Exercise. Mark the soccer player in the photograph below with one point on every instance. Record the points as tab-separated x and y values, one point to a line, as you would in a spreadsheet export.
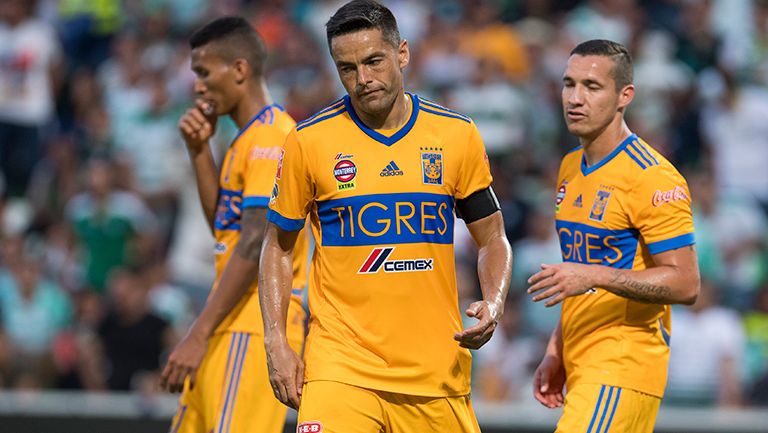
222	372
380	172
623	215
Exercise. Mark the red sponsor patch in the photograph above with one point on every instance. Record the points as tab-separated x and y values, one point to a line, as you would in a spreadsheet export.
662	197
280	164
310	427
560	194
345	170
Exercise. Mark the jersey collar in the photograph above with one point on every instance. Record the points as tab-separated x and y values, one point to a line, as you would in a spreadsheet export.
264	115
587	170
381	138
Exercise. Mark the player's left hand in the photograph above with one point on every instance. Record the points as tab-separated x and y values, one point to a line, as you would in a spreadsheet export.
286	372
184	362
559	281
488	313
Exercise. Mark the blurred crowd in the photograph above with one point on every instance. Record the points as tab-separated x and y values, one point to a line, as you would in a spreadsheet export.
104	253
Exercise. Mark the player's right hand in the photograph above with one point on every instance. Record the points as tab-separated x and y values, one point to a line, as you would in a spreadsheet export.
184	361
286	373
197	127
548	382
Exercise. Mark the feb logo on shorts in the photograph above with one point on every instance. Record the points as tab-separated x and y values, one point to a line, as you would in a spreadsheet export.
432	167
310	427
598	206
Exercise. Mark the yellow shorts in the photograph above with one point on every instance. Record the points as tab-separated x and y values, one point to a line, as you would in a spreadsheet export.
334	407
594	408
232	393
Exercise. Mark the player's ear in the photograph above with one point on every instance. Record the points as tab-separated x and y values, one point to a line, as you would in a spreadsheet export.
626	95
403	54
242	70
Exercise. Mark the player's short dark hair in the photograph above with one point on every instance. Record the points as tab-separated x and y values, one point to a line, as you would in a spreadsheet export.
622	60
235	38
362	15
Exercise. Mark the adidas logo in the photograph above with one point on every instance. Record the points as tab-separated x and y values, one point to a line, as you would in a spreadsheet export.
577	202
391	170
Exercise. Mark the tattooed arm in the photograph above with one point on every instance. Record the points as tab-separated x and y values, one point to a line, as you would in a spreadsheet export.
239	274
673	280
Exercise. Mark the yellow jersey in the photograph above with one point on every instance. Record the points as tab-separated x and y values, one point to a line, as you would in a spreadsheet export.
618	213
382	298
246	181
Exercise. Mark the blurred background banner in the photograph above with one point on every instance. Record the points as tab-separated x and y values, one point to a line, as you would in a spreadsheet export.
105	256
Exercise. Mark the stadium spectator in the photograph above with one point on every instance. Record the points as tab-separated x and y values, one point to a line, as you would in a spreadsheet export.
133	338
77	352
486	37
757	63
714	379
54	180
734	126
496	105
540	245
698	43
33	310
112	227
756	356
603	19
661	81
732	227
168	300
498	377
29	66
87	29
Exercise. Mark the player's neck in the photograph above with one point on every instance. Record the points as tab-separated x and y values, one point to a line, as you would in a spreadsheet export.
597	148
255	98
392	119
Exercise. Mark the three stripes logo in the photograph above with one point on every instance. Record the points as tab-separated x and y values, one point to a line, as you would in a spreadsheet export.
578	202
391	170
378	260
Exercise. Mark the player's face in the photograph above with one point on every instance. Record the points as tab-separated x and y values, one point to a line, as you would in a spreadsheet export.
370	68
215	79
591	101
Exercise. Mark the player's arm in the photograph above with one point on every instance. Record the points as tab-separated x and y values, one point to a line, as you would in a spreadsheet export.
549	378
494	262
196	129
237	277
673	280
286	370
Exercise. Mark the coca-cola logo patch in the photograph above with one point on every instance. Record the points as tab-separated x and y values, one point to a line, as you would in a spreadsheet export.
663	197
